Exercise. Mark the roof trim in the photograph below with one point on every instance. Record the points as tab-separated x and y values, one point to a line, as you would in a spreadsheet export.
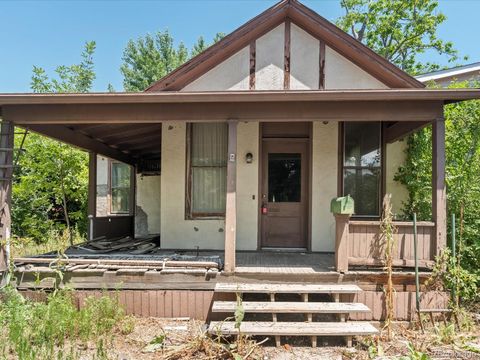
307	19
441	74
241	96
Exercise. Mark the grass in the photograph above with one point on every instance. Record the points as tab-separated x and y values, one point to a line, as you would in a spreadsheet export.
55	328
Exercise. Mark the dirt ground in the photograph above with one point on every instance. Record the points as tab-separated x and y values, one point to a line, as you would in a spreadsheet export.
154	338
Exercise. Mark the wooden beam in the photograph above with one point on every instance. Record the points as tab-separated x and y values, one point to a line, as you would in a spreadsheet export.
231	206
286	57
321	67
341	242
402	129
439	193
253	64
92	192
6	172
301	110
74	138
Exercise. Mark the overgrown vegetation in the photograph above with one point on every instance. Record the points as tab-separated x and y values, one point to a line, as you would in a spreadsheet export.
462	122
55	328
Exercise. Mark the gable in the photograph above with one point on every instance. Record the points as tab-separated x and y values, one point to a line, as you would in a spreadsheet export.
287	47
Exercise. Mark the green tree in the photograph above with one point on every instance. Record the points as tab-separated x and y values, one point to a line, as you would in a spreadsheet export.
51	182
151	57
462	142
399	30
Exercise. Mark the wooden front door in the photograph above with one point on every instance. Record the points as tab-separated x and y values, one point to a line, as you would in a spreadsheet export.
284	196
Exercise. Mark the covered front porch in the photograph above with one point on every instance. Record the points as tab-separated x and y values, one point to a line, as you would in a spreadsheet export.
148	131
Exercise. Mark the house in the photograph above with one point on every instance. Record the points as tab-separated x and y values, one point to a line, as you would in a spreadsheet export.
443	78
238	154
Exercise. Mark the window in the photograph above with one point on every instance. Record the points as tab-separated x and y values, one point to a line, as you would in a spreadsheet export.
284	177
120	188
362	166
207	170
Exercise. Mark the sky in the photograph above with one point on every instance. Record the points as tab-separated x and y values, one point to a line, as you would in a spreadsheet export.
52	33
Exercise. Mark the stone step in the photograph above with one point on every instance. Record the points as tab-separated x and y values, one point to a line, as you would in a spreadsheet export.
265	307
287	288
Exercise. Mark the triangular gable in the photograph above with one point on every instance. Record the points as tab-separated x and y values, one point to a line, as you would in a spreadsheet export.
287	13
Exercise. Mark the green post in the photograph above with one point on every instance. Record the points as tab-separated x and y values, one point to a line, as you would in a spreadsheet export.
454	257
417	282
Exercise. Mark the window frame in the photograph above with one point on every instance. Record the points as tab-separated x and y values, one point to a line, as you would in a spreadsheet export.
110	188
342	167
189	214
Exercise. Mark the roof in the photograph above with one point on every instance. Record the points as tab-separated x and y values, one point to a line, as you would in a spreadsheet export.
306	19
445	95
452	72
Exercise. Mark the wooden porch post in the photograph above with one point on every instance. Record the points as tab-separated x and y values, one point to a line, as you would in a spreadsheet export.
6	171
231	207
92	192
439	194
341	242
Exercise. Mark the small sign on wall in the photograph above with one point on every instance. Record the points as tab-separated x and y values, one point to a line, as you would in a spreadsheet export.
231	157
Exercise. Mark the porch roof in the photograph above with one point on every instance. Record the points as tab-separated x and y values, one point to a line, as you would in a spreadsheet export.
125	126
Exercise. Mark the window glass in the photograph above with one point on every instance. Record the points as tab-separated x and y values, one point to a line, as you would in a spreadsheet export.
362	166
120	188
208	161
284	177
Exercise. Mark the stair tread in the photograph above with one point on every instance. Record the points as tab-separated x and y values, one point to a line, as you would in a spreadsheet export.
291	307
294	328
288	288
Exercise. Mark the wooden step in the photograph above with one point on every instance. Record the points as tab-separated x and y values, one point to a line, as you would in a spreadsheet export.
265	307
353	328
287	288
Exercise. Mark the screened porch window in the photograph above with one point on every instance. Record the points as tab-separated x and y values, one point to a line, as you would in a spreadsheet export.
362	166
206	193
120	188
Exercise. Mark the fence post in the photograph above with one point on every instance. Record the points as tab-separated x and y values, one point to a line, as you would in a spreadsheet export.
341	242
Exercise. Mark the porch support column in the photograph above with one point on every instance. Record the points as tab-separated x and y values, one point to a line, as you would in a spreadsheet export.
6	171
92	192
439	194
341	242
231	206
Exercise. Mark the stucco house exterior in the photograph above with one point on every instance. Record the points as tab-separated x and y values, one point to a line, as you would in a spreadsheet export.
240	151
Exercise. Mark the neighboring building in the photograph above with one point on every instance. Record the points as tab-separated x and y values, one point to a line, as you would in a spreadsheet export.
239	152
444	78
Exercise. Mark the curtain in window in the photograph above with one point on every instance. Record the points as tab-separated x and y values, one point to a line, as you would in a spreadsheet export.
209	168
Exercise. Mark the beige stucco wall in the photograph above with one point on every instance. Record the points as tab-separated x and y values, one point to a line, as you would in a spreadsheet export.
269	60
341	73
232	74
178	232
324	184
147	212
395	157
304	60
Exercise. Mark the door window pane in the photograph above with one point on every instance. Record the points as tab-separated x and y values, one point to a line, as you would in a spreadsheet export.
284	177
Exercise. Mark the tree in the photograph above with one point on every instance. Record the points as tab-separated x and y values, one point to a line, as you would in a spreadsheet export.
51	182
399	30
151	57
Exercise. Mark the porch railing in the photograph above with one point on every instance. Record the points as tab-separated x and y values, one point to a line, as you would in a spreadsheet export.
360	243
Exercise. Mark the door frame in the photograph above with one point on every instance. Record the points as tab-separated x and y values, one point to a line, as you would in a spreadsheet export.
309	141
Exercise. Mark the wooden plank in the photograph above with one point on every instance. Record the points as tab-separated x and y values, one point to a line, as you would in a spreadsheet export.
321	67
439	194
286	57
341	242
295	328
7	130
231	202
287	288
396	262
253	61
401	129
291	307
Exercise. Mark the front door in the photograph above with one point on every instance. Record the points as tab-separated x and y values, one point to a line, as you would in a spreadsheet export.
284	196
